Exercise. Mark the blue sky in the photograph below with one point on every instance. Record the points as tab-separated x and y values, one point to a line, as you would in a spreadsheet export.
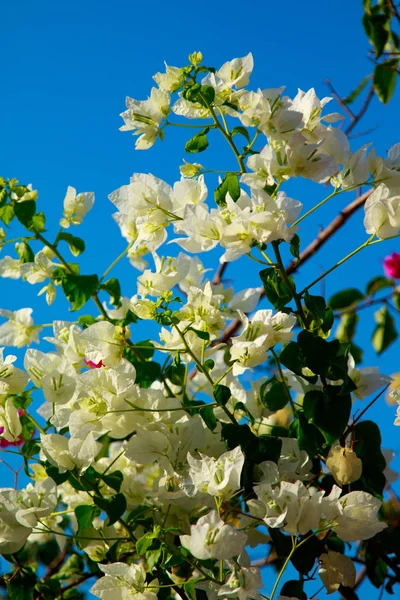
67	67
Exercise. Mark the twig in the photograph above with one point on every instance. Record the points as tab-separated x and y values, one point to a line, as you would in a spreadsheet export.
339	100
362	111
219	273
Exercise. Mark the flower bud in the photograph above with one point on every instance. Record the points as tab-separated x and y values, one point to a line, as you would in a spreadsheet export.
344	465
190	169
195	58
391	265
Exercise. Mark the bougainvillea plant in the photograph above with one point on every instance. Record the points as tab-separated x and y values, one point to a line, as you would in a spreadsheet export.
157	465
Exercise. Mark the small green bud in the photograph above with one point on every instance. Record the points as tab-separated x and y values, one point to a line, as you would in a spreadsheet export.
195	58
191	169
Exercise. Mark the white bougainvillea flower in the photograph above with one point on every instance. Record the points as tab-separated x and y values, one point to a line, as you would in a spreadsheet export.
368	380
237	72
210	537
19	329
105	342
382	211
336	570
13	534
169	81
218	477
68	454
10	268
10	422
12	379
144	117
352	516
76	207
124	582
243	583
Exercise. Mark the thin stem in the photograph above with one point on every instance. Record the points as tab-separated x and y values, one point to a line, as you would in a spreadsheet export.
187	126
285	277
285	564
106	272
346	258
283	380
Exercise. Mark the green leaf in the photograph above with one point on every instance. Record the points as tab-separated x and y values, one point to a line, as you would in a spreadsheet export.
76	244
367	445
293	358
7	214
273	394
198	143
241	131
385	332
203	335
190	587
355	93
86	320
38	222
385	80
144	543
206	95
48	590
25	252
114	507
345	299
73	565
208	416
113	480
20	585
308	436
153	557
293	589
221	394
24	211
55	474
318	353
229	184
328	410
377	30
295	246
275	288
346	329
79	288
315	304
85	513
113	287
379	283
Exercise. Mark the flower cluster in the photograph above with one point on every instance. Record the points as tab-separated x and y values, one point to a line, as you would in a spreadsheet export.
165	459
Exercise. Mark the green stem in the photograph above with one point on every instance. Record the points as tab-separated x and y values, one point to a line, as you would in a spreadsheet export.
62	260
203	370
285	564
106	272
296	296
283	380
187	126
226	135
346	258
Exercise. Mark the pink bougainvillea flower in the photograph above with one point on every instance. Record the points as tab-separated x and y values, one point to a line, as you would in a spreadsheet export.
94	365
391	265
18	442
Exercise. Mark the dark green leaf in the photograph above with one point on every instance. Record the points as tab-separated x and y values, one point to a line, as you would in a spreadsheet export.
79	288
114	507
293	589
38	222
229	184
376	27
275	288
203	335
385	332
345	299
241	131
113	287
55	474
207	414
25	252
295	246
86	320
273	394
20	585
113	480
144	543
328	410
85	513
206	95
308	436
198	143
385	80
222	394
24	211
76	244
346	329
315	304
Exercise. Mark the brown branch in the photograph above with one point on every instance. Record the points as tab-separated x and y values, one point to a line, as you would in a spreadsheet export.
362	111
339	100
219	273
307	253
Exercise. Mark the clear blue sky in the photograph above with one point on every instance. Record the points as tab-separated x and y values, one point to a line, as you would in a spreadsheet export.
67	67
